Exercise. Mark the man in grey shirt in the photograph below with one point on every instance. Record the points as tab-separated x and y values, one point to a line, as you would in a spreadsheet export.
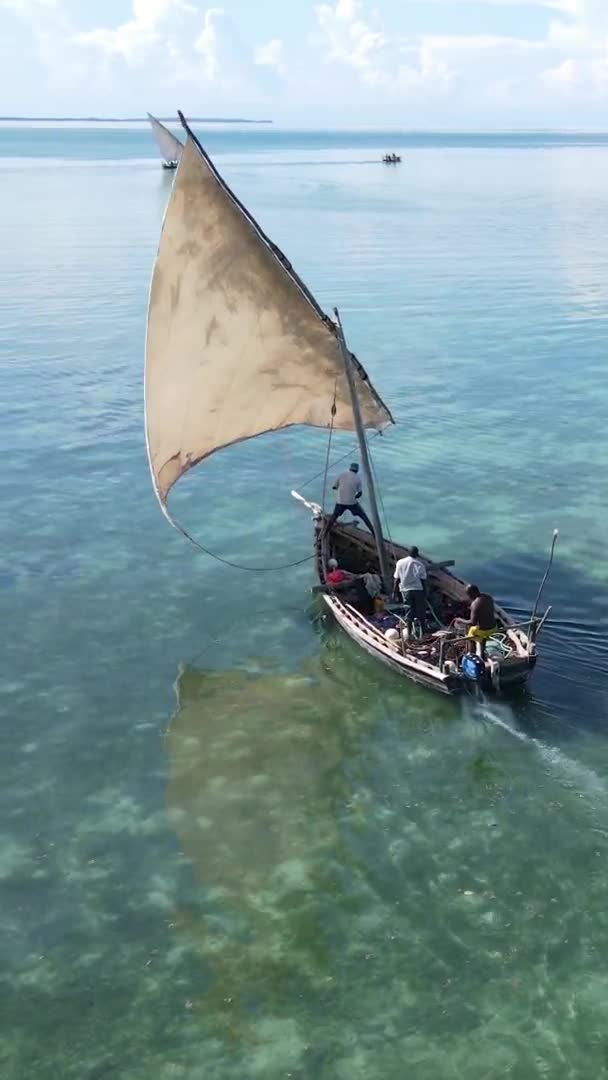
348	486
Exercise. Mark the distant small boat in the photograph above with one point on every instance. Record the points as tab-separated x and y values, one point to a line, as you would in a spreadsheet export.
170	147
391	159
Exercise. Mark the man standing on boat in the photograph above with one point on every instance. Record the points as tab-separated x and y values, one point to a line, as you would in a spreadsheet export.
410	581
481	623
348	486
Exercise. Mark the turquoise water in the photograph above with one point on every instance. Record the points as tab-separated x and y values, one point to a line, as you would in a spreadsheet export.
231	846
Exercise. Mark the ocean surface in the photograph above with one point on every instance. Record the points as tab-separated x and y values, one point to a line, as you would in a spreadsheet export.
231	846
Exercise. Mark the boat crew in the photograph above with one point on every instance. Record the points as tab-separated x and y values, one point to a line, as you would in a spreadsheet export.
482	618
348	486
410	581
335	575
357	589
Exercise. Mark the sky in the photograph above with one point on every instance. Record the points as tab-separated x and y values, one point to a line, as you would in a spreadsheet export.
416	64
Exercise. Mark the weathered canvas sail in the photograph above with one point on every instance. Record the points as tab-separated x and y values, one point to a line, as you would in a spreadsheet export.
236	345
170	147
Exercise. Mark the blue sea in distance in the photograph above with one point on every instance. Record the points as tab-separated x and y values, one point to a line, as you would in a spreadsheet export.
231	846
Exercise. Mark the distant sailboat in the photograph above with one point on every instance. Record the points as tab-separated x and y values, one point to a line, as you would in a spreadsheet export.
170	147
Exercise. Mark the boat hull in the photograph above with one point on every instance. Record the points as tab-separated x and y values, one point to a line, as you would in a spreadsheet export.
448	686
355	551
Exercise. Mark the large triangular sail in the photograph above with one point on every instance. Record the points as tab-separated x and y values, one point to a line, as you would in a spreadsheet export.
170	147
236	344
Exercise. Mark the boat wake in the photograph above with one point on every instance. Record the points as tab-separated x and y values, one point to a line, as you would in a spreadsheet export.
572	773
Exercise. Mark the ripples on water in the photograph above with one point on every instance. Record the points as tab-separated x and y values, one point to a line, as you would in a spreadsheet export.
302	867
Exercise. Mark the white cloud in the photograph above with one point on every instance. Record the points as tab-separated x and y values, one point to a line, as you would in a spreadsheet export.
347	38
571	60
395	65
580	43
592	12
352	66
561	78
271	55
456	43
155	25
27	7
209	43
428	71
573	78
164	46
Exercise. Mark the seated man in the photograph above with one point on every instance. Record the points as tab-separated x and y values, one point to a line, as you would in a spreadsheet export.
410	581
351	587
335	576
482	619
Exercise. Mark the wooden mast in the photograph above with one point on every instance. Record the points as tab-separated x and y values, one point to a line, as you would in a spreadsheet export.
365	460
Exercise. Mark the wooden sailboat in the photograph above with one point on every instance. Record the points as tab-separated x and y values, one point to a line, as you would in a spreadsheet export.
237	346
170	147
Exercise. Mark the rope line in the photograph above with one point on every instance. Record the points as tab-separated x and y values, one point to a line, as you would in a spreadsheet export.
349	453
331	432
240	566
282	566
379	491
324	472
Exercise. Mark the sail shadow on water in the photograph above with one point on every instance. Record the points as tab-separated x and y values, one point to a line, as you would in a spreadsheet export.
279	785
353	871
250	798
355	848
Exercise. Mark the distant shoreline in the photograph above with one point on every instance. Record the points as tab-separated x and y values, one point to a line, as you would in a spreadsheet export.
127	120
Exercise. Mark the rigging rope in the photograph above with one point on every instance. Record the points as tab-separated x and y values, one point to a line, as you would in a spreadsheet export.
240	566
379	492
324	473
349	453
331	432
282	566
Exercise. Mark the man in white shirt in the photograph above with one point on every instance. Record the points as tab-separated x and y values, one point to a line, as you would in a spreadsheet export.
348	486
410	581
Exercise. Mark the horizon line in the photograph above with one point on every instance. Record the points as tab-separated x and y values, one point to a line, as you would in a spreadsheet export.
299	126
135	119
